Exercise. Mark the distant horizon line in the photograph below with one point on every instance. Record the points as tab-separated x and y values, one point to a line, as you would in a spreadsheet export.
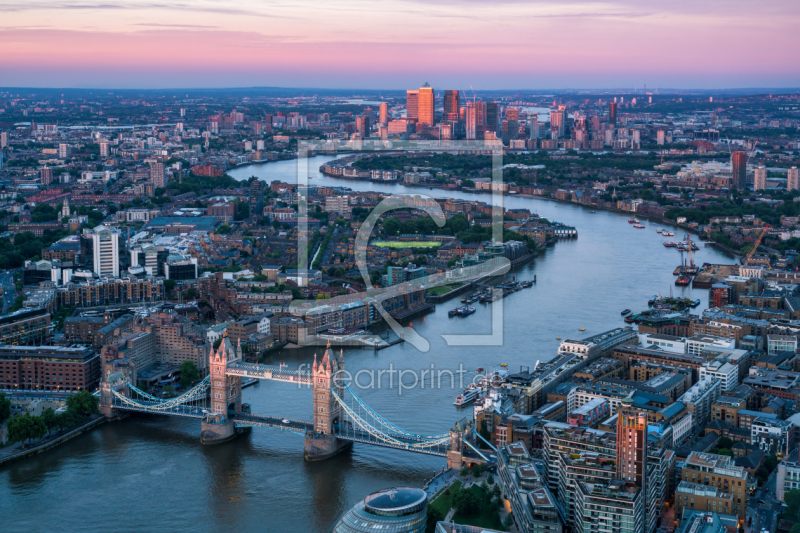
625	91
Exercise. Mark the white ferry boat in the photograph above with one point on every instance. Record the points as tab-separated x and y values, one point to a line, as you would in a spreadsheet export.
470	394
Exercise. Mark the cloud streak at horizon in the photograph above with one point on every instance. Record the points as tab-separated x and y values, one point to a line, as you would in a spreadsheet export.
506	44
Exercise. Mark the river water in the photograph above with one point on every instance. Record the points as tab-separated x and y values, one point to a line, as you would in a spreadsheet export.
150	474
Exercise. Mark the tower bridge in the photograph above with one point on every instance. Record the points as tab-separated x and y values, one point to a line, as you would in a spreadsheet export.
340	418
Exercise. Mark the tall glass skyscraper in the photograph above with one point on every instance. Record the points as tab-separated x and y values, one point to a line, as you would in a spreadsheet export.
427	105
412	104
739	166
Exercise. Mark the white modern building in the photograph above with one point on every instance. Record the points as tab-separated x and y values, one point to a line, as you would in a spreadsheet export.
788	477
781	343
720	369
700	397
105	242
696	343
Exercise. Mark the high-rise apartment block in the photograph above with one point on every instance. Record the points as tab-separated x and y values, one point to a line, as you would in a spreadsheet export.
157	174
660	137
427	105
384	113
105	242
64	151
631	445
412	104
471	122
46	175
534	125
558	122
760	178
3	139
793	179
103	149
739	169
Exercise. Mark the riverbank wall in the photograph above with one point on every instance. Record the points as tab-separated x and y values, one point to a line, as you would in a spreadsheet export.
29	452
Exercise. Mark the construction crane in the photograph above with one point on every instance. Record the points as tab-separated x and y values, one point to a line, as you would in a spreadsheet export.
755	246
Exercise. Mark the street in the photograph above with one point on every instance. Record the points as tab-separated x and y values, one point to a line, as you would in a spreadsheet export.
9	290
764	515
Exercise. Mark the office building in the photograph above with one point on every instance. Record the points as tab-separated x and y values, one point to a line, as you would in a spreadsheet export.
793	179
105	251
612	113
180	267
534	125
49	368
427	105
492	115
739	169
452	106
631	444
383	113
412	104
788	477
558	120
609	507
721	472
699	399
25	327
760	178
157	174
698	497
725	372
705	522
397	509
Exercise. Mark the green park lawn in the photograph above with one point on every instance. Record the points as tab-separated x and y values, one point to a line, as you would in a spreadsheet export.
444	289
444	502
486	518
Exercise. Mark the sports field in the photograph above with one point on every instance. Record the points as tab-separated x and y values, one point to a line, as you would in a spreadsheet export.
407	244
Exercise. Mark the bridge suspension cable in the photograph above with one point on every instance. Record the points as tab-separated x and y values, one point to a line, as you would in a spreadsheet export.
386	423
360	415
157	404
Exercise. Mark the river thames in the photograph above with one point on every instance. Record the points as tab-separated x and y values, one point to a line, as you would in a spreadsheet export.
150	474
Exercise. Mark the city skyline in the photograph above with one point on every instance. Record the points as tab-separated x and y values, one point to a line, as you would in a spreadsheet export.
510	45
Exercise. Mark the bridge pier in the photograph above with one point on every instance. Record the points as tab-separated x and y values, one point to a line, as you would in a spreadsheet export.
320	447
216	429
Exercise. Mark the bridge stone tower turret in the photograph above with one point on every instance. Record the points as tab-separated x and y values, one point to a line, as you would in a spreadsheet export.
321	443
226	395
455	454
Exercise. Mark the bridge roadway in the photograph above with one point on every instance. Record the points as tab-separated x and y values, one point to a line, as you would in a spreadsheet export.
274	373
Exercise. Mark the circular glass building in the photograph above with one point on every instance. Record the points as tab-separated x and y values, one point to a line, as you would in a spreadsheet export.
396	510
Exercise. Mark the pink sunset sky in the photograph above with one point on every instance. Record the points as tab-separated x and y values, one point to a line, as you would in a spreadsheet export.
394	44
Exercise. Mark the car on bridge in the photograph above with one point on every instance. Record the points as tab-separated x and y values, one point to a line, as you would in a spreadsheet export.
286	421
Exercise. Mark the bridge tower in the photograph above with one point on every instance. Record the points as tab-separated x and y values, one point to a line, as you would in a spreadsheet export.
321	443
225	394
455	454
